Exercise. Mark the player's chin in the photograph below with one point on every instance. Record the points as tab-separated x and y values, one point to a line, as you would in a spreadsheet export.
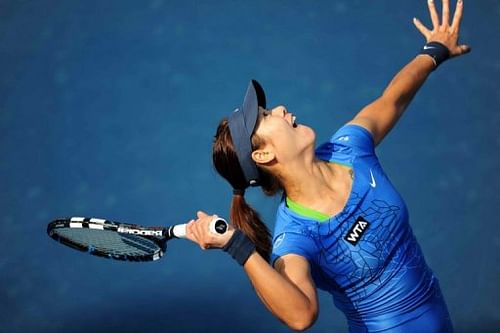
307	132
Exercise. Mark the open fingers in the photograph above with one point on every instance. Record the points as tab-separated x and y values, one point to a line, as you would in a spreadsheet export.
426	32
434	14
457	18
446	13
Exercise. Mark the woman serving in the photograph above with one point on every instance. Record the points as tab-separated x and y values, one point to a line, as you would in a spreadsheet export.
341	225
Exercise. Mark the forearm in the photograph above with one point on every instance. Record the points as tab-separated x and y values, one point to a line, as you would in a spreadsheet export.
282	297
287	291
407	82
380	116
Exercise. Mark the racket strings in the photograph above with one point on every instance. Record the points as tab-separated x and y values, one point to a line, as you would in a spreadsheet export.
139	243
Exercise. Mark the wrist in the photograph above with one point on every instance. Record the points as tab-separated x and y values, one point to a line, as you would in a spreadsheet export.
239	246
436	51
426	62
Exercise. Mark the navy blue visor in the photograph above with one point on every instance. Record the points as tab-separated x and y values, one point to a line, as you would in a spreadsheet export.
241	126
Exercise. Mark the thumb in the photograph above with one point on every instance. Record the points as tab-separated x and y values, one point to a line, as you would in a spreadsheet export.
465	48
461	49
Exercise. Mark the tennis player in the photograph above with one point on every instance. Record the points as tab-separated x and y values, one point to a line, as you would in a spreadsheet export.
341	225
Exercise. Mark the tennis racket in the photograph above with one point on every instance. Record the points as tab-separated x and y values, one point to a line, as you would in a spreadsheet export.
120	241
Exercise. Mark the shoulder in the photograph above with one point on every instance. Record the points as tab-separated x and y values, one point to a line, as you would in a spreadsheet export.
348	141
363	122
353	130
291	235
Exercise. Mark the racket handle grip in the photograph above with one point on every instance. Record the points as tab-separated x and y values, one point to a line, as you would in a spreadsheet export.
217	226
179	231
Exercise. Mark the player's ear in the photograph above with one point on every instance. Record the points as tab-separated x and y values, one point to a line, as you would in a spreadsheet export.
263	156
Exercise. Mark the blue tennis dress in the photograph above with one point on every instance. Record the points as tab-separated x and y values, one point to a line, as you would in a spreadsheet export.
366	256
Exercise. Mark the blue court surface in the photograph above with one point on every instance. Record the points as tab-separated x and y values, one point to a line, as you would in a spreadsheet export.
109	108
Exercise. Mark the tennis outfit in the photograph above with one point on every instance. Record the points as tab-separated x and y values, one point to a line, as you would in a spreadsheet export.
366	256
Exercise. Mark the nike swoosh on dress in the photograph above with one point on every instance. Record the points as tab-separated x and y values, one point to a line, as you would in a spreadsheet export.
372	183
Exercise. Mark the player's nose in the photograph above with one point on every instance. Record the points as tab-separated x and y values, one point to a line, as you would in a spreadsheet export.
280	110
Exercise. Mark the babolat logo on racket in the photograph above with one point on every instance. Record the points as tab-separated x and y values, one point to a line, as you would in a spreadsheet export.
357	230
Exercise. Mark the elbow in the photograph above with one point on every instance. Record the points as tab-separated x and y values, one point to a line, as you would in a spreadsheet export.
302	322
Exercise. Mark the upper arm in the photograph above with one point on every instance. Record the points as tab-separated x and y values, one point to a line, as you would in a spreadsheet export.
296	269
378	118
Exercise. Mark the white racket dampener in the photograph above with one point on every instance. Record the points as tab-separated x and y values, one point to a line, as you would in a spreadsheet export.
217	226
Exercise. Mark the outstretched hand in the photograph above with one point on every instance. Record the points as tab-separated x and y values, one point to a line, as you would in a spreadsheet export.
443	32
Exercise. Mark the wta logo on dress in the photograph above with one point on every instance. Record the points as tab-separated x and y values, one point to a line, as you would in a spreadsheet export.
357	230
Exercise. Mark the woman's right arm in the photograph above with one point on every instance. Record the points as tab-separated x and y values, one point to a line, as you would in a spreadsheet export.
287	290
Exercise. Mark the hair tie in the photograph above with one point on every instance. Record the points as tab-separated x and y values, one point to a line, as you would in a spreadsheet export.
237	191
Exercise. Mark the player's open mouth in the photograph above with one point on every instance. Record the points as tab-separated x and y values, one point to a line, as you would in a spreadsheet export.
294	121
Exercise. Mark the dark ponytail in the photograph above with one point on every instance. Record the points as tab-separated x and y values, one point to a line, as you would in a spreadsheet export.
245	218
242	215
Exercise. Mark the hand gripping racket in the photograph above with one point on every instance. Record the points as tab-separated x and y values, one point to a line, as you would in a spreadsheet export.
120	241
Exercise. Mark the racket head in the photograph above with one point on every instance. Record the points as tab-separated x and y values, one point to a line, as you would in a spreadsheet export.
101	238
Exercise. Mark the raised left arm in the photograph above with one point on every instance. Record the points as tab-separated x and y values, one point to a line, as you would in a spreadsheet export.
380	116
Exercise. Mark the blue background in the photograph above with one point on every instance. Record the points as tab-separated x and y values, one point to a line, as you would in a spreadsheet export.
108	109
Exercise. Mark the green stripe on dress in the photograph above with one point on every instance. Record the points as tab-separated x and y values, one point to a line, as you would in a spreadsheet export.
306	212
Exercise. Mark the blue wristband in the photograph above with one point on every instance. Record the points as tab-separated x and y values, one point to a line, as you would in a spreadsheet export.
437	51
240	247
